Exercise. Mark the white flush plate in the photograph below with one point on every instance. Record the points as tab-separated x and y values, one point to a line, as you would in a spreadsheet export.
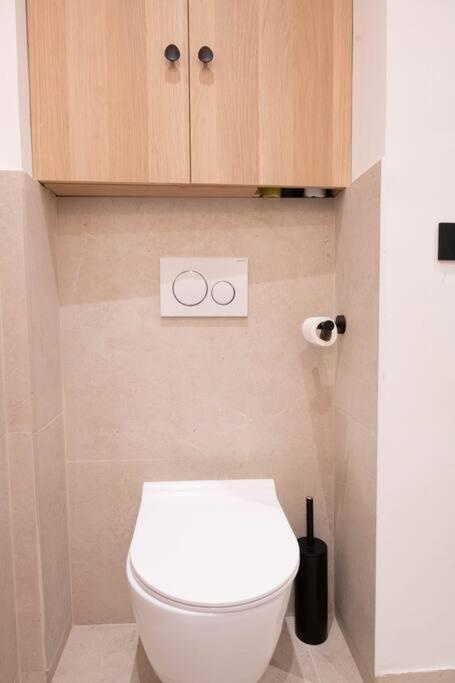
204	287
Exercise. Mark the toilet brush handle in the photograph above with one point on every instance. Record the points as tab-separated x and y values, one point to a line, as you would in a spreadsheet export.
309	521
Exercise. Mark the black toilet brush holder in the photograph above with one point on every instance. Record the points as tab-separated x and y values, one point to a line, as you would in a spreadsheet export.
311	586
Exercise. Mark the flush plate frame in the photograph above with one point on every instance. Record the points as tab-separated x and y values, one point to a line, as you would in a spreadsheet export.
214	269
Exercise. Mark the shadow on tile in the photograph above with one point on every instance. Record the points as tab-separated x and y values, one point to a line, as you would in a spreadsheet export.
143	672
284	657
290	663
333	661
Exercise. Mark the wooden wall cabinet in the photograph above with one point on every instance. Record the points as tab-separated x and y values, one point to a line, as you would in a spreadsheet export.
273	106
106	106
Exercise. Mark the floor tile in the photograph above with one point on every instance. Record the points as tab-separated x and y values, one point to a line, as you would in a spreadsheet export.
98	654
333	660
291	661
113	654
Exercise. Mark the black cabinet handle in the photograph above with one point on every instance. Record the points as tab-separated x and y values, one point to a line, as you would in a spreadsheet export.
172	53
205	54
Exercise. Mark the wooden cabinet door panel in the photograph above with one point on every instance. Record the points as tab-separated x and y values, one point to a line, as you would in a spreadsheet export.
273	107
106	105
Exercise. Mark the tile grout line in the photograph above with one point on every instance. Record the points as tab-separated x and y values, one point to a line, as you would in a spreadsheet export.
56	233
31	433
346	413
41	429
5	436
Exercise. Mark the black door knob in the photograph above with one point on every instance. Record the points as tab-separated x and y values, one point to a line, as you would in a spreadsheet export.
205	54
172	53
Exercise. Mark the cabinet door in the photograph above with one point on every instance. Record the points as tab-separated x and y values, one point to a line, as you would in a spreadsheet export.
273	107
106	105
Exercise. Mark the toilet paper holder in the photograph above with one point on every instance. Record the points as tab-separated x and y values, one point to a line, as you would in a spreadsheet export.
327	326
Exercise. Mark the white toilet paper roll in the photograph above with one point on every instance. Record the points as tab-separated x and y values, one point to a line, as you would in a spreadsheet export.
313	335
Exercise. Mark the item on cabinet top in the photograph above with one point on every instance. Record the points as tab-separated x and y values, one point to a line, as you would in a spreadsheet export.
315	193
271	192
291	192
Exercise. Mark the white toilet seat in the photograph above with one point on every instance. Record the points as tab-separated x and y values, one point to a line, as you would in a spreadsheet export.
213	545
205	609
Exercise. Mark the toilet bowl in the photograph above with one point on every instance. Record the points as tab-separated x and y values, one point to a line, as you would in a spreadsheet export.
210	570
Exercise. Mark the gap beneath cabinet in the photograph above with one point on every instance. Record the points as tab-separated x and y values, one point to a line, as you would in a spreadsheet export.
138	190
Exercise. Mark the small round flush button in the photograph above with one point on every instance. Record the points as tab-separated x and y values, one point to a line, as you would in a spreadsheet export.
223	292
190	288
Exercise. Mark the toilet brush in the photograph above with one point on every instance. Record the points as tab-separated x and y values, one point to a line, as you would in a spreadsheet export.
311	586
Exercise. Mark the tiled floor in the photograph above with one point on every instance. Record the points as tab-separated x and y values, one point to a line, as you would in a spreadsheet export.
112	654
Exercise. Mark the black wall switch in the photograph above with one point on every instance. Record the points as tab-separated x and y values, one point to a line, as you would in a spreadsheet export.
446	242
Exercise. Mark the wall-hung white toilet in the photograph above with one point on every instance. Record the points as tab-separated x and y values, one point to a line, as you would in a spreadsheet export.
210	569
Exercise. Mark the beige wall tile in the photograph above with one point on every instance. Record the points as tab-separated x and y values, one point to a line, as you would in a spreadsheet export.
355	536
32	383
207	398
3	428
135	386
8	640
355	435
30	305
127	371
357	297
48	441
107	249
14	303
26	552
43	304
53	533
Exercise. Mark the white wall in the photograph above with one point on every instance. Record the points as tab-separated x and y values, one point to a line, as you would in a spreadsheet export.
416	485
369	84
15	147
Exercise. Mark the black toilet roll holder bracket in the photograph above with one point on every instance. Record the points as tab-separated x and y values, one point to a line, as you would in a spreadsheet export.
328	326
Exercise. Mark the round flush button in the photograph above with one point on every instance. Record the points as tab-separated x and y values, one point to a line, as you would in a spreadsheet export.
223	292
190	288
